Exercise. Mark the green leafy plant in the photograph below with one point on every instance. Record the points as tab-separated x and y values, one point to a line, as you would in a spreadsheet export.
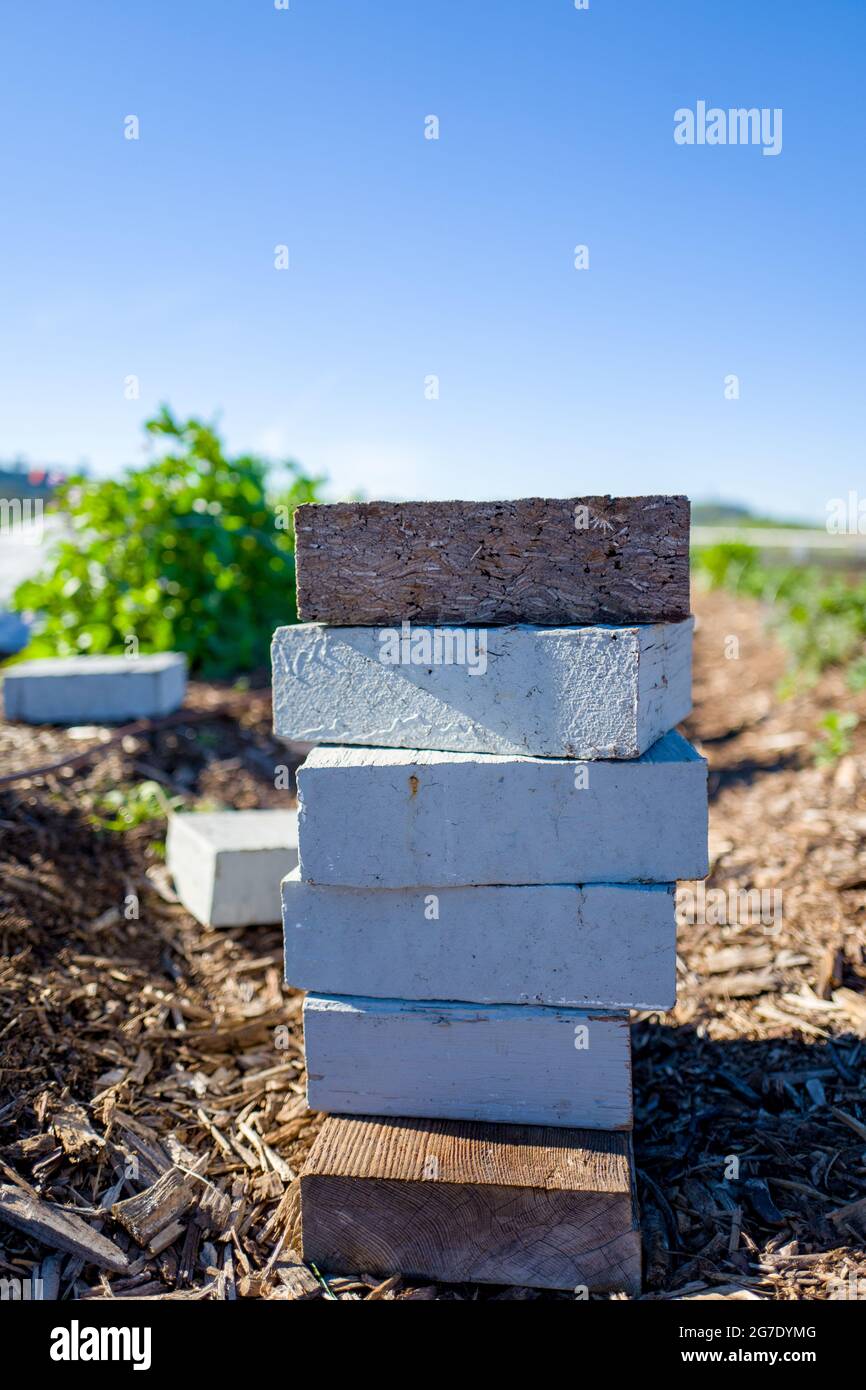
126	807
837	727
188	553
820	618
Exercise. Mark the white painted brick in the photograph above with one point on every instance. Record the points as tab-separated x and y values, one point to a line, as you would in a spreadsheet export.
508	1063
570	692
14	633
602	945
394	818
94	689
227	865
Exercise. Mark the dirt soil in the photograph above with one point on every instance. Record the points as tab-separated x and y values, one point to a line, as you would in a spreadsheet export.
137	1046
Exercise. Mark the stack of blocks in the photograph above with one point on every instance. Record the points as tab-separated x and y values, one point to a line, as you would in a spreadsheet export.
490	834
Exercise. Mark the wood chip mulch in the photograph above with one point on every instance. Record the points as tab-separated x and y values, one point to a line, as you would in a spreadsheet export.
152	1114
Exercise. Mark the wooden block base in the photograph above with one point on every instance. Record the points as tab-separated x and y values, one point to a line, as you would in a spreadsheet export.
463	1202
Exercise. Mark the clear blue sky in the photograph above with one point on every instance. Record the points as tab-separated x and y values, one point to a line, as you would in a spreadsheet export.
411	257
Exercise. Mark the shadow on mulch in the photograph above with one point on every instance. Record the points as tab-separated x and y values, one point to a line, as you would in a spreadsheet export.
744	773
55	865
746	1152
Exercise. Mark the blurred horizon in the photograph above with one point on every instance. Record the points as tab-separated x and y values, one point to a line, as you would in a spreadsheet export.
707	510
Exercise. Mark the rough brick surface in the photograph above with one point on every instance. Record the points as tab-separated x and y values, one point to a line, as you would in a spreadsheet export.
604	945
537	560
590	692
390	818
498	1062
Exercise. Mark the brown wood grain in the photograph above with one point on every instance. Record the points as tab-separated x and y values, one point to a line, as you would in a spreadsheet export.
59	1230
460	1201
536	560
150	1211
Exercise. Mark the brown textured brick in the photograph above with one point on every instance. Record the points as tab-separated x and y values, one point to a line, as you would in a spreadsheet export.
528	561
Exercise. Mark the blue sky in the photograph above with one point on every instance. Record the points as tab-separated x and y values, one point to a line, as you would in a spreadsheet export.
452	257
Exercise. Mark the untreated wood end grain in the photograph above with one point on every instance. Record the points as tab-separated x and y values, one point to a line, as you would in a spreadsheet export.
467	1202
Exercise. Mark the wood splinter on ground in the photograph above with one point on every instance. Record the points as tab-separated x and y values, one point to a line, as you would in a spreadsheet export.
460	1201
58	1229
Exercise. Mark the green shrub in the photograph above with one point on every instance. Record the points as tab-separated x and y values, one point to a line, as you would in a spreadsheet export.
188	554
820	617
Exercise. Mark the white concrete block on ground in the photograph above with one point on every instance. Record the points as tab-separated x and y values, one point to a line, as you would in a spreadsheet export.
14	633
94	689
602	945
548	691
508	1063
567	692
227	865
389	818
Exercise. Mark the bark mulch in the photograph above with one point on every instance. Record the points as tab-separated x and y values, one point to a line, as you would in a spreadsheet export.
152	1115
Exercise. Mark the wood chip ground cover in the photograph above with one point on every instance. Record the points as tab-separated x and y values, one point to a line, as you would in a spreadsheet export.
152	1115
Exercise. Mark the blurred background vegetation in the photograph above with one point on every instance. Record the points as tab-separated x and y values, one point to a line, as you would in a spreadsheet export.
818	613
190	553
194	552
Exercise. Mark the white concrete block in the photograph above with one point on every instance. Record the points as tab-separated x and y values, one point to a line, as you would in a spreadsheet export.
94	689
503	1063
566	692
227	865
394	818
14	633
603	945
